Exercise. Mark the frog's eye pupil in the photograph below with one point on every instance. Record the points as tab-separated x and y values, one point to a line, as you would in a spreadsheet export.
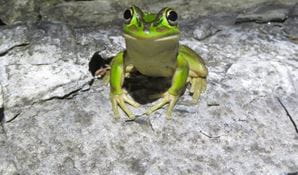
127	14
172	16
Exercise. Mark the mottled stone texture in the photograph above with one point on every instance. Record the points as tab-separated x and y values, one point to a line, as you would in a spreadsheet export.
56	118
98	12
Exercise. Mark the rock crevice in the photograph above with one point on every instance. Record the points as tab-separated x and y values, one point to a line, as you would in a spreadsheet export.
289	115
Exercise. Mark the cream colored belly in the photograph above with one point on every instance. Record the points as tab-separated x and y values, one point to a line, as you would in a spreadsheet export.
156	66
152	57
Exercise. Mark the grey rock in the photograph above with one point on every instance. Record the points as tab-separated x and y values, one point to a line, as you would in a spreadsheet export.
1	97
263	14
19	11
204	31
291	29
7	161
288	103
12	37
8	168
46	68
58	122
98	12
294	11
1	105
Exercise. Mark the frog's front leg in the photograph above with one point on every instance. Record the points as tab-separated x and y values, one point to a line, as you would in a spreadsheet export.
178	83
118	96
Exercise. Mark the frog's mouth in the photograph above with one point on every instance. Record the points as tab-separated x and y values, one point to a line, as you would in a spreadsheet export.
165	38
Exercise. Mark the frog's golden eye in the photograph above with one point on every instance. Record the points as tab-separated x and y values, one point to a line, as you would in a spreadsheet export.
127	15
172	17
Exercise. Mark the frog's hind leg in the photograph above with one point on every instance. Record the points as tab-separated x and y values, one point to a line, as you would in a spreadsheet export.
198	86
197	73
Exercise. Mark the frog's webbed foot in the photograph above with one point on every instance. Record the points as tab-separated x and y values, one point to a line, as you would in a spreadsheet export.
198	86
167	98
121	99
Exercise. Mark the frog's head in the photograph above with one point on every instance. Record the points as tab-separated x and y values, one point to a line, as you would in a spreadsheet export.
146	25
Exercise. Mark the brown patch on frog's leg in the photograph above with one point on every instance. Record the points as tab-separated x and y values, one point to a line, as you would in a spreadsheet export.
102	71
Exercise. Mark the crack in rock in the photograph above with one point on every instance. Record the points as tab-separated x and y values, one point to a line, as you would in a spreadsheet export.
1	105
13	118
69	95
288	114
1	114
209	136
3	53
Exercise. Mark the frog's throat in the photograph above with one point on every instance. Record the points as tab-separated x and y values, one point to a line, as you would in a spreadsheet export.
171	37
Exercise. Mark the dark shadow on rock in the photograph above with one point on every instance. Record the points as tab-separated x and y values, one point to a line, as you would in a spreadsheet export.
2	23
293	173
97	63
1	115
143	88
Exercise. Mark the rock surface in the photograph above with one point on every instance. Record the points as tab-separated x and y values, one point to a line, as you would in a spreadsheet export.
98	12
58	118
265	13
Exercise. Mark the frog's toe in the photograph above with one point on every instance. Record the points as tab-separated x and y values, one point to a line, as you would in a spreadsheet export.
193	85
131	101
204	84
115	108
157	106
171	107
120	100
198	86
167	98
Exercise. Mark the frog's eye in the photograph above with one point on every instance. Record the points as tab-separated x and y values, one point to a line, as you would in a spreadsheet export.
172	17
127	15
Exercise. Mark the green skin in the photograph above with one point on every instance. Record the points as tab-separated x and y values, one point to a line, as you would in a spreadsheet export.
153	49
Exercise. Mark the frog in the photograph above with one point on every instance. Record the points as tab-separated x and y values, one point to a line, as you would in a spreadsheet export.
153	49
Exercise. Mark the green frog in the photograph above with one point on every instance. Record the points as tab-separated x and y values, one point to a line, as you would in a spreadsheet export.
153	49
